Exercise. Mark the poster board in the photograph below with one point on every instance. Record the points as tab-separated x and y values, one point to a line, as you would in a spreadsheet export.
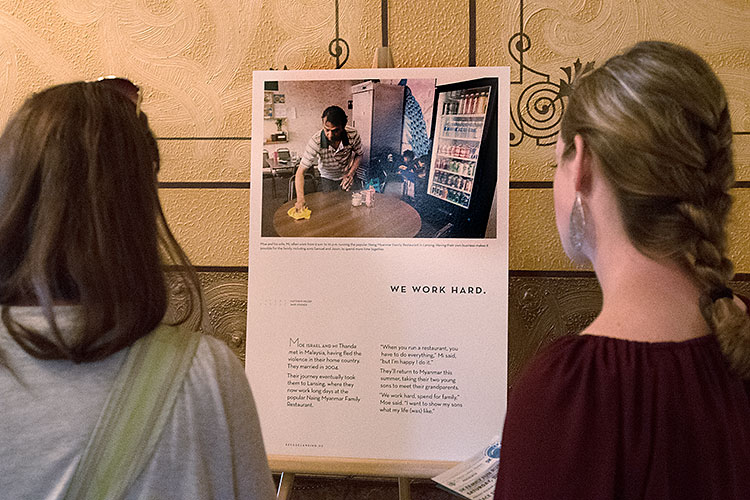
378	355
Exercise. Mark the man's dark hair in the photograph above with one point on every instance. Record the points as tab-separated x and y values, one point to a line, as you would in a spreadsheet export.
408	155
335	116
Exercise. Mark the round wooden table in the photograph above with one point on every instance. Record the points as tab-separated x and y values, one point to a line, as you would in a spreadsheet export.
334	215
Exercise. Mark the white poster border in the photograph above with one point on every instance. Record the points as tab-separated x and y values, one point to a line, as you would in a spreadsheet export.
357	296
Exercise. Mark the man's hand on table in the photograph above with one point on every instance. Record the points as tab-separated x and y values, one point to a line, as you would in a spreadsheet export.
347	181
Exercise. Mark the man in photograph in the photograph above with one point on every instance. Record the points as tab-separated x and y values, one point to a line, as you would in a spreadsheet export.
339	151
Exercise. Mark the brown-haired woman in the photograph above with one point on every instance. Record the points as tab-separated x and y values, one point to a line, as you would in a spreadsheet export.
652	400
84	243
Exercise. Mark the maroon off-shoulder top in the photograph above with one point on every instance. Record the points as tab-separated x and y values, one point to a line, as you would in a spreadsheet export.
597	418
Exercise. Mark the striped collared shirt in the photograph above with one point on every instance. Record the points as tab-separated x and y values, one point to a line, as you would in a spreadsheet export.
333	162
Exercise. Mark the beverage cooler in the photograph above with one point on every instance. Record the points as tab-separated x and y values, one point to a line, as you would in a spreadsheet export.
463	164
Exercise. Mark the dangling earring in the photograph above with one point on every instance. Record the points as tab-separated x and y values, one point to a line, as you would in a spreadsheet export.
577	227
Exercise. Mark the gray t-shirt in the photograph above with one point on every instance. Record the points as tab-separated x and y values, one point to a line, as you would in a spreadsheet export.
211	448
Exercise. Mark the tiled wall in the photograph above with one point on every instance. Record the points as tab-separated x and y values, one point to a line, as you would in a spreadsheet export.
194	60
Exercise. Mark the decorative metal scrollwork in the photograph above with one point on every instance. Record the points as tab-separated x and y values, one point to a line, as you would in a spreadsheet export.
539	108
225	297
538	113
335	47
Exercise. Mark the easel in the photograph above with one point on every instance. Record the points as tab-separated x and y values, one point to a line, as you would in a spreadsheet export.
404	470
286	483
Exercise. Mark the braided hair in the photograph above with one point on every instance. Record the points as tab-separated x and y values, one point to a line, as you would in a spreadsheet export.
656	117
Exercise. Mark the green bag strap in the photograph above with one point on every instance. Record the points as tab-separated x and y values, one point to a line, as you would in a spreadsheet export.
136	411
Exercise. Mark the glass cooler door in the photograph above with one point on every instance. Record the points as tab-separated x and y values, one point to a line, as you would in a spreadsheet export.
458	139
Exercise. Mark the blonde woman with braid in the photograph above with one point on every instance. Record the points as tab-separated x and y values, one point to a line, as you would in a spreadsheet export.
652	400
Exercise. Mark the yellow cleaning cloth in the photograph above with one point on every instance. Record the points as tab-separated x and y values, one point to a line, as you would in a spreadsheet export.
302	214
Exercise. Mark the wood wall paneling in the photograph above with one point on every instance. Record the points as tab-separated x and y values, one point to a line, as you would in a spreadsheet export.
534	243
207	161
212	225
194	61
741	144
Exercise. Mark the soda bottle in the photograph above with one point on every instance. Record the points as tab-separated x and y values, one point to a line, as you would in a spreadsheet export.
471	104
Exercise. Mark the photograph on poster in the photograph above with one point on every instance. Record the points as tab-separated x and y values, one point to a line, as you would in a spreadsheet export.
425	152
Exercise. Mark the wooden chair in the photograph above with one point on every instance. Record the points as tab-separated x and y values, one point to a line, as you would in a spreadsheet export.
268	172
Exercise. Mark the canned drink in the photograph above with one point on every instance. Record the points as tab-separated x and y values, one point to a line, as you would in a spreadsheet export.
356	199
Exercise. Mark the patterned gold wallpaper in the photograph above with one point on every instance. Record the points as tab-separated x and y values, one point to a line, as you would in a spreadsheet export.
556	33
194	60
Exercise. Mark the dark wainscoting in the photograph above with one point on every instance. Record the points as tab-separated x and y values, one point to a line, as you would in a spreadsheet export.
540	309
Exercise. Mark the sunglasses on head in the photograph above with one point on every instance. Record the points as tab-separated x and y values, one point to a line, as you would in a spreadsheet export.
124	87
